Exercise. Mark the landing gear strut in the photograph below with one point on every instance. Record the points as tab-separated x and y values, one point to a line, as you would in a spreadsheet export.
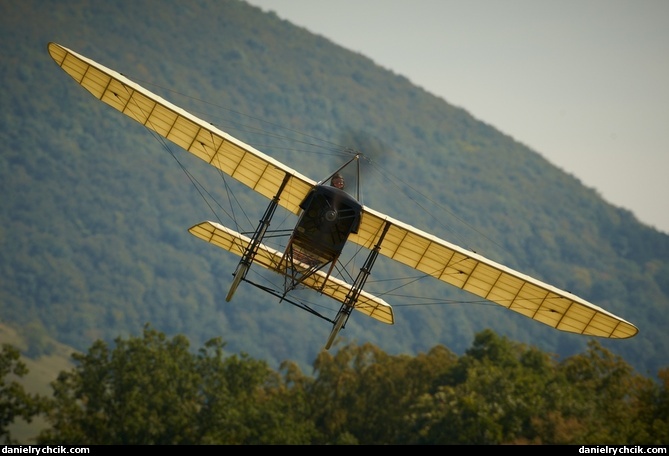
252	249
356	289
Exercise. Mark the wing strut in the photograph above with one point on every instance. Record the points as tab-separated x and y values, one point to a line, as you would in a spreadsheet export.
252	248
356	289
356	157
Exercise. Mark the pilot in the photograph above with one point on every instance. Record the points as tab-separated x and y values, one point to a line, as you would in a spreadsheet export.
337	181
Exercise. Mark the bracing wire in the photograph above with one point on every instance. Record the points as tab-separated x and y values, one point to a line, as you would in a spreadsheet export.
315	146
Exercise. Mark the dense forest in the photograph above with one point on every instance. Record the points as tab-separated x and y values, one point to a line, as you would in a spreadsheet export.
152	389
95	210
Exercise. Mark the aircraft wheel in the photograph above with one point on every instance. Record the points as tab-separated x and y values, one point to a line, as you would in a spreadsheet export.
339	322
239	275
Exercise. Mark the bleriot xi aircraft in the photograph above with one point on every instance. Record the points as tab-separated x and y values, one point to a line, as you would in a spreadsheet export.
327	219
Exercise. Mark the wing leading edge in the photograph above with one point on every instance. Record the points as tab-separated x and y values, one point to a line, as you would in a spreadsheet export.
489	280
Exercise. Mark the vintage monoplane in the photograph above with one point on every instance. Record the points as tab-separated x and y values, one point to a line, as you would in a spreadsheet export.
327	219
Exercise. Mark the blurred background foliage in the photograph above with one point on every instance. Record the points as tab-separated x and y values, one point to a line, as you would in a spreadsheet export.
95	210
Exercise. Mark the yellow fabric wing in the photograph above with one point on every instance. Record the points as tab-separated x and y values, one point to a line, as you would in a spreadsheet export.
235	158
487	279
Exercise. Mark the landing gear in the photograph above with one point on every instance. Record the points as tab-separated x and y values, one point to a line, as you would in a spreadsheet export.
240	273
339	322
356	289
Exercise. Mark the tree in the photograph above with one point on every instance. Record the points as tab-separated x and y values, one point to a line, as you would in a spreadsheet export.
489	396
362	394
156	390
15	402
609	397
153	390
656	410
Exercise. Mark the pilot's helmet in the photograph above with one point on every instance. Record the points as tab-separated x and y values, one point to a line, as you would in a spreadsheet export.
337	181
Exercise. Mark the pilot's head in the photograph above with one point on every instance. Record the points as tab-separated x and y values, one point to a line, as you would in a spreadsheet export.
337	181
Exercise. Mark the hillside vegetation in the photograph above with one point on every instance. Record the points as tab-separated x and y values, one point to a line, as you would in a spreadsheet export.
95	210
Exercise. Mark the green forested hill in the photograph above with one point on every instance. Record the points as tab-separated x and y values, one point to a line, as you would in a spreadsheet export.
95	210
